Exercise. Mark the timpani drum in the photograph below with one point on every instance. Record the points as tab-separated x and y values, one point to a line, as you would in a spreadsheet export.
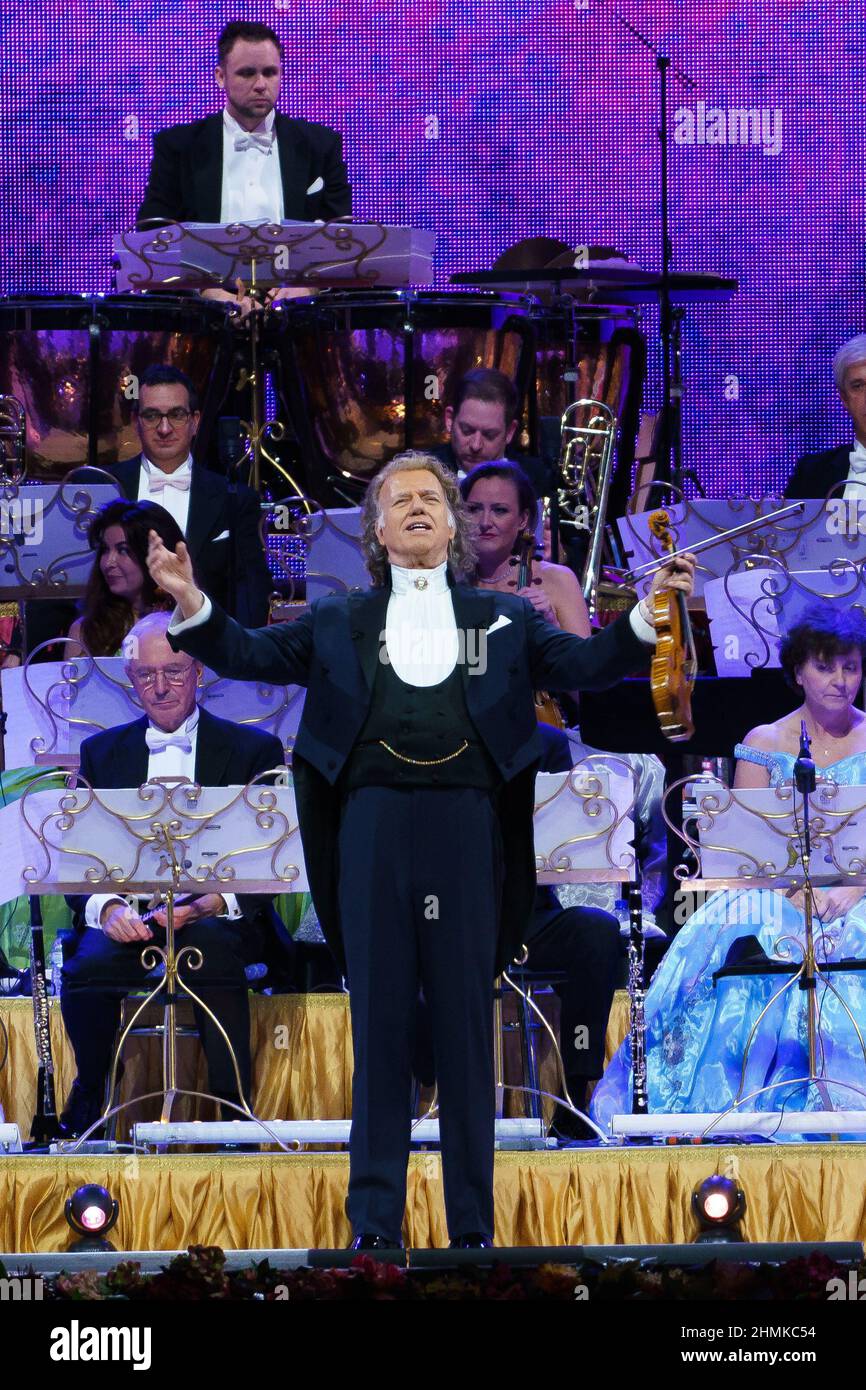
73	362
586	351
367	374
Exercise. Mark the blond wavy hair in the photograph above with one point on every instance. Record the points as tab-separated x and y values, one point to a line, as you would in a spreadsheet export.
461	551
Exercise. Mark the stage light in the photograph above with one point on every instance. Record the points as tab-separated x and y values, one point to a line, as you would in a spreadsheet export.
91	1212
719	1206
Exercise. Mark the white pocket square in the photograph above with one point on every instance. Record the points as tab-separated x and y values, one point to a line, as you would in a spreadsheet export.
501	621
316	186
223	536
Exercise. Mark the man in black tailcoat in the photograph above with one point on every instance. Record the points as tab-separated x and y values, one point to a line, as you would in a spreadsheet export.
414	770
816	474
220	522
248	162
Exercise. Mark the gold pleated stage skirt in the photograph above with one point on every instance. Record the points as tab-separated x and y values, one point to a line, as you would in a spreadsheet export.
303	1061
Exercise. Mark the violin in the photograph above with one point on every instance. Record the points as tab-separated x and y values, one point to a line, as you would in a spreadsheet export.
547	710
674	663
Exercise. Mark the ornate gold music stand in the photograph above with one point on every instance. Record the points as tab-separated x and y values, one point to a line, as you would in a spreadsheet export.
139	833
809	972
170	983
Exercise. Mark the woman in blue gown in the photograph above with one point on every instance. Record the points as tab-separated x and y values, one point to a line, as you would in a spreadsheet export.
697	1033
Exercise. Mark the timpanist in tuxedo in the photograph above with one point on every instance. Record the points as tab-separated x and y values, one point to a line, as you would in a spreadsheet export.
247	162
414	771
102	958
220	522
816	474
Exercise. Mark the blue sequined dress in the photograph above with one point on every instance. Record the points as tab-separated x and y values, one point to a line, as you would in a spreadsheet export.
696	1033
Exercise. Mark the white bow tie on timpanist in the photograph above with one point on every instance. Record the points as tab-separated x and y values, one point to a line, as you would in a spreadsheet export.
158	740
158	482
255	141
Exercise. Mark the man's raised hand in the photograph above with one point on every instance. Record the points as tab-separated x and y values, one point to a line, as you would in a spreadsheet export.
171	570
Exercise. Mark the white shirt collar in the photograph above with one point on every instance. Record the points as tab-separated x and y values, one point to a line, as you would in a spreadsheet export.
405	581
149	467
264	127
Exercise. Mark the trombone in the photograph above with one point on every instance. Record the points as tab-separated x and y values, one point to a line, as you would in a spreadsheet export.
585	473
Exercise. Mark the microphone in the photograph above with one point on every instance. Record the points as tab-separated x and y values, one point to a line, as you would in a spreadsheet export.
231	439
804	767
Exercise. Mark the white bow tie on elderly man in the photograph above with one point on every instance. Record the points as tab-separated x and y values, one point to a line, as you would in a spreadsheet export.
158	482
255	141
158	740
857	462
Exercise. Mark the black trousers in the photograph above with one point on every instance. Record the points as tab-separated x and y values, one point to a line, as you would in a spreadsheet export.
585	943
98	973
420	875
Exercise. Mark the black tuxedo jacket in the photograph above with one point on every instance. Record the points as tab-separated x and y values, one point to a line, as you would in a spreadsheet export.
334	651
534	468
815	474
186	172
226	755
235	562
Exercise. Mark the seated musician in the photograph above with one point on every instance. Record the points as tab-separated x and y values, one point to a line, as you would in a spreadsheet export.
482	422
119	589
220	522
247	162
816	474
102	957
697	1034
502	506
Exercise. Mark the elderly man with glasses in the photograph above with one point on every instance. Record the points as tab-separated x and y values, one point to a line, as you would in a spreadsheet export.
102	958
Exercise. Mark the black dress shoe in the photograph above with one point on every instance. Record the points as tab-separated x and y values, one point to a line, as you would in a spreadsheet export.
366	1241
472	1240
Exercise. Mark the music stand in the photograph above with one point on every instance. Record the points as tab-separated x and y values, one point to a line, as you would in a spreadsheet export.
789	864
163	838
584	833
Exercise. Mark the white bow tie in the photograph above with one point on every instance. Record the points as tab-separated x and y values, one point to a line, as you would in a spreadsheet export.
157	740
158	482
254	141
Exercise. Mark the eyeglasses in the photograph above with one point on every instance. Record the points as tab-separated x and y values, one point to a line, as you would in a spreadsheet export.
178	415
175	675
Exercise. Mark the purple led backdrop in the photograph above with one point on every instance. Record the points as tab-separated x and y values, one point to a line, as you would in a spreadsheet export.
494	120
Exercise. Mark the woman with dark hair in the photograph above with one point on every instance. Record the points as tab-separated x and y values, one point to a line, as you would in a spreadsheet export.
120	589
502	506
697	1033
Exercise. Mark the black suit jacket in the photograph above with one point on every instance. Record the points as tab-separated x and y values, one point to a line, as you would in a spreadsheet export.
226	754
534	468
815	474
334	651
237	562
186	172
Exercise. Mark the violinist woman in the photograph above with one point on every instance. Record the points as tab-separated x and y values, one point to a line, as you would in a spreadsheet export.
502	507
697	1031
120	589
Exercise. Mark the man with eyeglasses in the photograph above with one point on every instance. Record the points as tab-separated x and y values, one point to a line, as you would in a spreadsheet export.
102	958
220	522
